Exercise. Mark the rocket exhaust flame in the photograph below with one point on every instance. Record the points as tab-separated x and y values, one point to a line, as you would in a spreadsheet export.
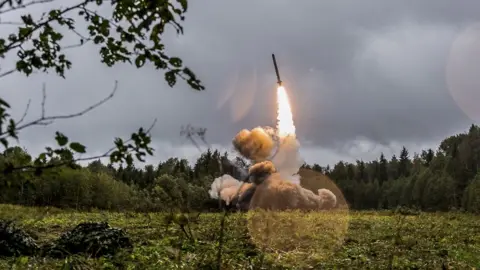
285	125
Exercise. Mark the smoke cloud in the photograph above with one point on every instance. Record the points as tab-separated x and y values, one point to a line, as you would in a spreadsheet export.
287	159
274	180
220	183
255	145
227	188
262	143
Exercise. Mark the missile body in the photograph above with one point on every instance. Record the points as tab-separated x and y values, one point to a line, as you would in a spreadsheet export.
276	70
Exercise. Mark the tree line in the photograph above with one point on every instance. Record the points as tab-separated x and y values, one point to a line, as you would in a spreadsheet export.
434	180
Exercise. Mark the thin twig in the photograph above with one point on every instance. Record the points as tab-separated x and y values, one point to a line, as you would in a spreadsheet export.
189	132
7	73
25	112
46	120
10	23
44	98
83	40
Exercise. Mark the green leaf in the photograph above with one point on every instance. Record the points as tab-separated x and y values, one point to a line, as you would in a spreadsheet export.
184	4
171	78
140	61
98	39
42	157
12	129
175	61
61	139
4	142
4	103
78	147
23	32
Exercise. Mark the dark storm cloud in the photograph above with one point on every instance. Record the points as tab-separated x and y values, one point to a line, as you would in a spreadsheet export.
370	68
354	69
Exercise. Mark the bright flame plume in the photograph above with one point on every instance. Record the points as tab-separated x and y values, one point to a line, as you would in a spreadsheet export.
285	124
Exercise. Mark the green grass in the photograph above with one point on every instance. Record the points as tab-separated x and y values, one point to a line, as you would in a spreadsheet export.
328	240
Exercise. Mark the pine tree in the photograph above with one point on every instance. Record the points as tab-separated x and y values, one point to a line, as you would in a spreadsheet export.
427	157
382	170
404	163
393	168
361	174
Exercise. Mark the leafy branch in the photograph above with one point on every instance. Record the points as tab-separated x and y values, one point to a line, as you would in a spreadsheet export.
147	23
132	34
123	151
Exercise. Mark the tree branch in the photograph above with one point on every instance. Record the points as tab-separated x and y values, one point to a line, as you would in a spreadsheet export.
136	39
190	132
24	113
83	40
21	6
109	151
6	73
10	23
63	163
44	120
16	43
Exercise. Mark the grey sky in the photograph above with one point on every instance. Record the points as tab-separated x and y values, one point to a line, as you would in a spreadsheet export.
363	77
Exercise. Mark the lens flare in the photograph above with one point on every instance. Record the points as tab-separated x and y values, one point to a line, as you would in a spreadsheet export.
285	126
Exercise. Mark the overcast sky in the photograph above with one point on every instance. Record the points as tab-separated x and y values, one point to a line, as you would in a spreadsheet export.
363	77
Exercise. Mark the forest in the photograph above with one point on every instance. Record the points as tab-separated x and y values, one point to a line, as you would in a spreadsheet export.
444	179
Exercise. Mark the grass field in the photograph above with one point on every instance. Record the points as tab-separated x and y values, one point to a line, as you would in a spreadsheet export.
335	240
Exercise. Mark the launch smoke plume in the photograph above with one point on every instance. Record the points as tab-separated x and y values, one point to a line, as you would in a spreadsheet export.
260	144
274	183
274	174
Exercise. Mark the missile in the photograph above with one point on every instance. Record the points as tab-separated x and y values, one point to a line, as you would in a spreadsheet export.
276	70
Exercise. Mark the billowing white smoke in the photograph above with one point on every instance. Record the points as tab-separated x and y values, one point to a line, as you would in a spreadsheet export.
278	158
287	159
226	188
222	183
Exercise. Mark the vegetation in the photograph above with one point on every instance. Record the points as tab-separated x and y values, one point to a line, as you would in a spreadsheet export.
447	179
374	240
399	234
